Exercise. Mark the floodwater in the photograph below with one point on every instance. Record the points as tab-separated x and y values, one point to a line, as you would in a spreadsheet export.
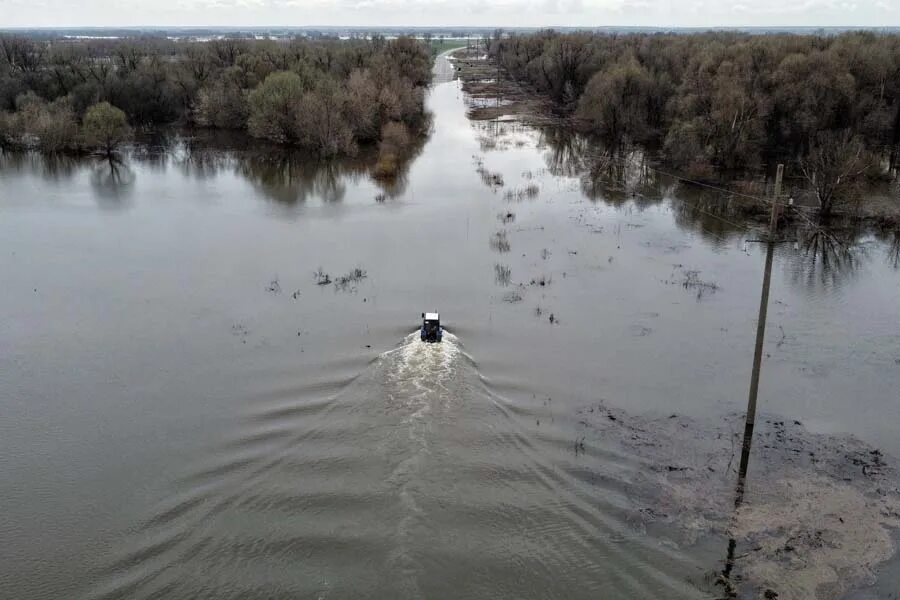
185	412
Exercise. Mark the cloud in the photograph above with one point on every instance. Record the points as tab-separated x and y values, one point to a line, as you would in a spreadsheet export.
779	7
584	13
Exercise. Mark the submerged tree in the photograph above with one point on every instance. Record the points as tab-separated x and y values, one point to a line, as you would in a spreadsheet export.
616	101
105	127
395	141
718	101
327	95
273	107
223	103
50	127
321	122
834	169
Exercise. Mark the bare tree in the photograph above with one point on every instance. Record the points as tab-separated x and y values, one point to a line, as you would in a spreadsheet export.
22	54
834	168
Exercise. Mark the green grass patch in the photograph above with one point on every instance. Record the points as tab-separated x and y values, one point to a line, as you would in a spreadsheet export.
438	46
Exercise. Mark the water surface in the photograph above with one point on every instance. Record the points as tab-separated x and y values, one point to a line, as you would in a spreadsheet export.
187	413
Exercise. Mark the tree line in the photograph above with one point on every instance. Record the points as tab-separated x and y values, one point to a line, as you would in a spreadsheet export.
719	102
328	95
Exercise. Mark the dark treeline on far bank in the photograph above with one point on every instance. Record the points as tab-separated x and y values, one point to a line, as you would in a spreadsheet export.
718	102
326	95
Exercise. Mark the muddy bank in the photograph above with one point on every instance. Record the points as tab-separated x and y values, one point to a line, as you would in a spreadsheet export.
819	515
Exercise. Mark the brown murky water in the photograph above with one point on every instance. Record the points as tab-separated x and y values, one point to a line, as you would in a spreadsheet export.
186	413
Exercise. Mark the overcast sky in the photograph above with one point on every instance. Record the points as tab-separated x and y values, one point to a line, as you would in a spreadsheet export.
585	13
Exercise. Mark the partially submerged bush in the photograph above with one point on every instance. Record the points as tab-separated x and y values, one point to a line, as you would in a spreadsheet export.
55	127
614	102
274	106
320	121
49	127
500	242
502	274
395	141
105	127
9	130
348	282
223	104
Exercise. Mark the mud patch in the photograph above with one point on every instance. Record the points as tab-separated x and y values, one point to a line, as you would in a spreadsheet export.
818	513
812	536
493	95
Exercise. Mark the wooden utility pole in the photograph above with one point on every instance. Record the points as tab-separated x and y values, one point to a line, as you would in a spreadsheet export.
497	58
760	337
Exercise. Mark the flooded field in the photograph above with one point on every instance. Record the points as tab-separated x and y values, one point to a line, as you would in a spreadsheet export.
210	386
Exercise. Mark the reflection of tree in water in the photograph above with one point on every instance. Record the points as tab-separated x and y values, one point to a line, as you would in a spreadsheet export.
59	167
566	154
12	161
715	216
55	167
395	184
201	161
496	134
623	175
614	176
291	177
825	259
893	250
113	182
155	148
891	239
285	175
620	177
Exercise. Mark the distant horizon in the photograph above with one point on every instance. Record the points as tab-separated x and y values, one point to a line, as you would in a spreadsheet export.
377	27
569	14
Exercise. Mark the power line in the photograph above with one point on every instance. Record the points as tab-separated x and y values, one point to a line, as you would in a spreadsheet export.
766	201
713	215
692	206
710	186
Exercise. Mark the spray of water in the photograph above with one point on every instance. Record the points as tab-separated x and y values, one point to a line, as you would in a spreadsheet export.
418	377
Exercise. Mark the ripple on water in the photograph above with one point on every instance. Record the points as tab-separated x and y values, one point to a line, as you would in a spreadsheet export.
411	479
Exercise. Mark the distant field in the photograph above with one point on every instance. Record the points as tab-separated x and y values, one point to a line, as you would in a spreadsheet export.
439	46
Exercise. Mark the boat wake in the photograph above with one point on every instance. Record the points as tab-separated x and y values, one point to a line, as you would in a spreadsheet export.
419	378
412	479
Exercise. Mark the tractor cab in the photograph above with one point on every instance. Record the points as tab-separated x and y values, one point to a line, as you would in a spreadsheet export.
431	327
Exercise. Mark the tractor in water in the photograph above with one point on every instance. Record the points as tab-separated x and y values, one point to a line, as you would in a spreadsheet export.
431	332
